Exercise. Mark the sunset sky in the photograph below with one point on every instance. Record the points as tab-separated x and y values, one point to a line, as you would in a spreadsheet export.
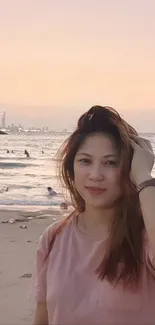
57	58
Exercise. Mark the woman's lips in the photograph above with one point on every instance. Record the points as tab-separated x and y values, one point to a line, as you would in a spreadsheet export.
95	190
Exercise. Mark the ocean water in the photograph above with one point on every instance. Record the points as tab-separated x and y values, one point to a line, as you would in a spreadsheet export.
28	178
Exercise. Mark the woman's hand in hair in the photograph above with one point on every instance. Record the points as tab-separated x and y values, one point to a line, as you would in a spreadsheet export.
143	160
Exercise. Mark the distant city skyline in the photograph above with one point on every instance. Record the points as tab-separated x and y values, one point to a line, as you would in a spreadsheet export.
17	126
3	120
143	119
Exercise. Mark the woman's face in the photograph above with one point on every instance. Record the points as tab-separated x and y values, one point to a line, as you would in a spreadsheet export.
97	171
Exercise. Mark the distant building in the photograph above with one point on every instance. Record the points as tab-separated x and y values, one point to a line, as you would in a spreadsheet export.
3	123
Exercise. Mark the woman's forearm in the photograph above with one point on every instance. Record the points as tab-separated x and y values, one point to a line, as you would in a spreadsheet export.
147	201
41	314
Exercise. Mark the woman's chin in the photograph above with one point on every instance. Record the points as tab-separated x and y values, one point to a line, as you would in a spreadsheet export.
98	204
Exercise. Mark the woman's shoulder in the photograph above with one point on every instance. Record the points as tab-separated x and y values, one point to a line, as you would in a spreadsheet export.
49	231
45	238
54	229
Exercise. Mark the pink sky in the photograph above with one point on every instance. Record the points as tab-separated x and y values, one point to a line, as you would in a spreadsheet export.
69	55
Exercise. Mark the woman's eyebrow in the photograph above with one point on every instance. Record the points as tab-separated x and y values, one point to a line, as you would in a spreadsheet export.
88	155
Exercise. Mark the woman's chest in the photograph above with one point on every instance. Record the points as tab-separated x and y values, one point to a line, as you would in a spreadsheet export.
77	295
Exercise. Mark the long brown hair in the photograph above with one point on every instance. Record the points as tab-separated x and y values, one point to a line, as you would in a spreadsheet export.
122	261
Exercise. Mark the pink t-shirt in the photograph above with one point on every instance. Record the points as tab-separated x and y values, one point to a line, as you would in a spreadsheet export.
74	294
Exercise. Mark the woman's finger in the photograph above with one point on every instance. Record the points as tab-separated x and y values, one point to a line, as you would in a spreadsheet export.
143	143
134	144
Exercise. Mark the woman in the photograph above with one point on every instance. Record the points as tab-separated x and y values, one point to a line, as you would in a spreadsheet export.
98	267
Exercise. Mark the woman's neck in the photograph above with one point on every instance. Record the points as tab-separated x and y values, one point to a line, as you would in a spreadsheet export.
97	221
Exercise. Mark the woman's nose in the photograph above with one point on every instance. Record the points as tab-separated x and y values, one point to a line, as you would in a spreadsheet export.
96	172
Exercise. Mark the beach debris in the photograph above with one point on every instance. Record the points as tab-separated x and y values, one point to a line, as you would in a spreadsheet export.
42	217
26	275
12	220
21	220
29	241
65	215
54	219
23	227
30	218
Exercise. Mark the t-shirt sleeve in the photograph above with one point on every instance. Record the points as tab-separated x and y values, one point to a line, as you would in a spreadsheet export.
150	257
41	263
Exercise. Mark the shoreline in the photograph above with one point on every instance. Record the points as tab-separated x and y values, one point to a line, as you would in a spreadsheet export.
32	211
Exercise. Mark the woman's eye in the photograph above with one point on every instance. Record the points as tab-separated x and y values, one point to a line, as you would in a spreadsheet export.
85	161
111	163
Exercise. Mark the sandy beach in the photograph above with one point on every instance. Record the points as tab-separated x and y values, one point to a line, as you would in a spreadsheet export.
17	255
